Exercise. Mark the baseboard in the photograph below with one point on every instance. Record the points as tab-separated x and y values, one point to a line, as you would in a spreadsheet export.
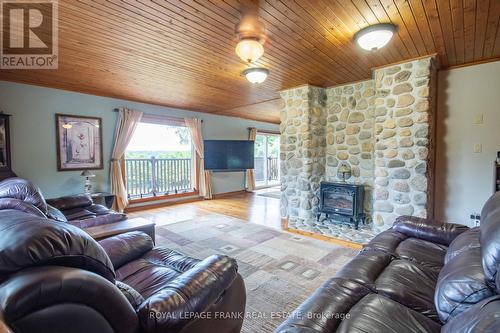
161	204
227	194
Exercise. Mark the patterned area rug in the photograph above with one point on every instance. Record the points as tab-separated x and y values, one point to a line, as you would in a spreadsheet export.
280	269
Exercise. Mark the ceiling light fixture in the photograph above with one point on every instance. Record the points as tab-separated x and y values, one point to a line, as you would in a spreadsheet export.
249	49
256	74
251	35
375	36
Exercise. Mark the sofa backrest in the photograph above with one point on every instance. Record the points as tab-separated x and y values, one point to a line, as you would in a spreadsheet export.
28	241
70	202
490	240
24	190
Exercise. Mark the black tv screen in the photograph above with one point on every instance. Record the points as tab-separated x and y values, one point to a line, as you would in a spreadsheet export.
228	155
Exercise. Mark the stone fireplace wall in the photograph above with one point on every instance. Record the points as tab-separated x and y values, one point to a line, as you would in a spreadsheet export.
404	135
302	156
349	134
381	128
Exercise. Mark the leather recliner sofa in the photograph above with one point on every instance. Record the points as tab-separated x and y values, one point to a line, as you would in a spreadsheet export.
54	278
78	210
418	276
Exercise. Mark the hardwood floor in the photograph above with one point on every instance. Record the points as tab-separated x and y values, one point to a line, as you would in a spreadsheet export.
249	207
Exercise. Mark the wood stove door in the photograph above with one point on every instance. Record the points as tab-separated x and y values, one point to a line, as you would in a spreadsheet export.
337	201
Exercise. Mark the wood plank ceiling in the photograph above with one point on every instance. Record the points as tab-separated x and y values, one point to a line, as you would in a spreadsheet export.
180	53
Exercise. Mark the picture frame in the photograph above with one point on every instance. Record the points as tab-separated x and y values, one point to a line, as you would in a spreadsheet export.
79	142
5	159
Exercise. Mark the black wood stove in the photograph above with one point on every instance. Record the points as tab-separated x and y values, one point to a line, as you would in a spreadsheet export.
342	201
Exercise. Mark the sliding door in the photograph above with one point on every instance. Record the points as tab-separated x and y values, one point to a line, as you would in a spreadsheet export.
267	160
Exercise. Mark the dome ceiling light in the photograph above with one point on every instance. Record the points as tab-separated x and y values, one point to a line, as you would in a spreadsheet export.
375	36
256	74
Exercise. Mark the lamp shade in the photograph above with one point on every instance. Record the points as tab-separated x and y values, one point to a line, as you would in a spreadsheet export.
375	36
249	49
87	173
256	74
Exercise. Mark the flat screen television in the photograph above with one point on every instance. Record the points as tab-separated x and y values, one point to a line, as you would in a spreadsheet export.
229	155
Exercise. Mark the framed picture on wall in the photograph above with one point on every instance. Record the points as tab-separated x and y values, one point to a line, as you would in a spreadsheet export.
79	142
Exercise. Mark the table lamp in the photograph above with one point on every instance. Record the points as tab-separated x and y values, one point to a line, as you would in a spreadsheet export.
88	186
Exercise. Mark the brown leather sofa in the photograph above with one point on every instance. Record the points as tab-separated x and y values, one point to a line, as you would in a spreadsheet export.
78	210
54	278
418	276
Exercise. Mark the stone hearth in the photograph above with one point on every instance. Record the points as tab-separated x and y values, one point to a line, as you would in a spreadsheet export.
382	128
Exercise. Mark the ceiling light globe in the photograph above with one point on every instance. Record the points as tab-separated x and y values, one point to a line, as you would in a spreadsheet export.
375	36
249	49
256	75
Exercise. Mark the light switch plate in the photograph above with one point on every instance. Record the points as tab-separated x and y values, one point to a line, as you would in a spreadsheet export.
478	119
478	148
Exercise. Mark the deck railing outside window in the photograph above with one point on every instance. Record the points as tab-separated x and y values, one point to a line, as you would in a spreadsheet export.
158	176
271	167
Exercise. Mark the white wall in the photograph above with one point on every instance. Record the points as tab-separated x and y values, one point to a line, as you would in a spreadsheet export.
33	134
464	179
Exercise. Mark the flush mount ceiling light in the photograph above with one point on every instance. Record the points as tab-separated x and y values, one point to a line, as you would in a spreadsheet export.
251	34
256	74
375	36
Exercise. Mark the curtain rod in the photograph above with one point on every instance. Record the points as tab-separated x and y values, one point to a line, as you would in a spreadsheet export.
265	132
160	115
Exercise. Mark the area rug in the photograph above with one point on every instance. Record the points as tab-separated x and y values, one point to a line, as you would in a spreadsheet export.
274	194
280	269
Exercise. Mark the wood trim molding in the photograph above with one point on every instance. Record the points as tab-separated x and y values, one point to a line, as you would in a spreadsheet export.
334	240
480	62
163	197
227	194
162	204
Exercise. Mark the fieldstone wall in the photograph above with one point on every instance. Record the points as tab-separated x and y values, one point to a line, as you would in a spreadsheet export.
349	134
303	142
404	135
382	128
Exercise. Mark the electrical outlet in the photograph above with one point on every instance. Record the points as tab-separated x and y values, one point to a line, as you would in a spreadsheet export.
478	148
478	119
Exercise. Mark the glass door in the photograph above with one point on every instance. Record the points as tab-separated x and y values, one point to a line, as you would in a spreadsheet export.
267	150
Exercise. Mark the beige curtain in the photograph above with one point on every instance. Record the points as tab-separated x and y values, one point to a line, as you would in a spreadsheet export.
194	126
125	127
250	179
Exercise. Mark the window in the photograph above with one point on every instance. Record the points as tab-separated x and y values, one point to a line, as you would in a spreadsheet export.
267	150
159	159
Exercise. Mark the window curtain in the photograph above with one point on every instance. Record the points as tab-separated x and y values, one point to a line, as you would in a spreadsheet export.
194	126
250	178
125	127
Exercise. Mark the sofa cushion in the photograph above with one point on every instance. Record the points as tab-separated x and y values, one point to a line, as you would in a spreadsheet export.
133	297
326	308
401	280
461	284
22	189
126	247
22	206
463	242
151	272
29	241
78	214
483	317
70	202
55	214
375	313
402	246
490	245
93	221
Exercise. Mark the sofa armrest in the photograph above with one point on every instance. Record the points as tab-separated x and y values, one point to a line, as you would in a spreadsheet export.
126	247
64	299
188	295
429	230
